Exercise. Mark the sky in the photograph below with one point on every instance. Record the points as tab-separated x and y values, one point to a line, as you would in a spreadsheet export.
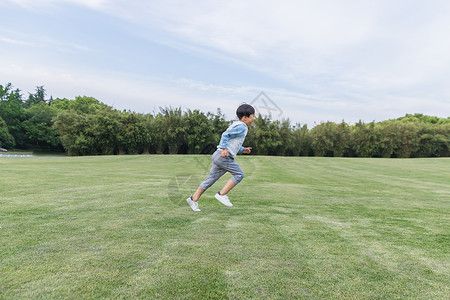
306	61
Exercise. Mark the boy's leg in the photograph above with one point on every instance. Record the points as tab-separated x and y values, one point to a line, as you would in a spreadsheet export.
214	174
218	169
198	194
228	186
238	175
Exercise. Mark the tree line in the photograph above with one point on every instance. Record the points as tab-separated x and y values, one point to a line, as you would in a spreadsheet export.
86	126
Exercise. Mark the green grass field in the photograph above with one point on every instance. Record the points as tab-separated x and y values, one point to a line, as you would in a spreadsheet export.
303	227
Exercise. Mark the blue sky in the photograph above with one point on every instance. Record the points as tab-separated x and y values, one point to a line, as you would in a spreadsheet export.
315	60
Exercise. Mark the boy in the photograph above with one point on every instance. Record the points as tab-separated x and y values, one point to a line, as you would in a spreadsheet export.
223	159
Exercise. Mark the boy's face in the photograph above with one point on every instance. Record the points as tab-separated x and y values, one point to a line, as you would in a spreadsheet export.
248	120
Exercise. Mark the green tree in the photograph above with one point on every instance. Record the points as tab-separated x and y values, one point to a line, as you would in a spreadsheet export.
219	123
322	139
302	140
287	138
72	130
171	122
85	105
399	139
199	132
433	140
365	139
13	113
341	140
134	134
39	128
61	103
421	118
36	98
388	142
156	137
6	92
104	130
6	139
264	136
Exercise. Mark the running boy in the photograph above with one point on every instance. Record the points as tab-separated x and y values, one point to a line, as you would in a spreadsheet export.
223	159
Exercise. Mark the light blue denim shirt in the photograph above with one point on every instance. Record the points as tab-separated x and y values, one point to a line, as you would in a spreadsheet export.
233	138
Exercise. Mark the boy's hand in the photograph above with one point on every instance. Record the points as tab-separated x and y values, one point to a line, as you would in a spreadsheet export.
224	153
247	150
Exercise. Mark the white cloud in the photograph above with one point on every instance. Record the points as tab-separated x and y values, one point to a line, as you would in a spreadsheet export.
16	41
145	95
40	41
355	44
41	4
364	46
369	60
120	90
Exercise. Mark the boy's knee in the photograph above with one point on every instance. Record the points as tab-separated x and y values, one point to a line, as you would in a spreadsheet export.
206	184
238	177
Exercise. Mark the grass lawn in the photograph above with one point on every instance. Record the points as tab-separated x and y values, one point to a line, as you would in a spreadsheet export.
301	227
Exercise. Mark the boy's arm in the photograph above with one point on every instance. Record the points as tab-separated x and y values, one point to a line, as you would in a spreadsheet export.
232	133
247	150
224	152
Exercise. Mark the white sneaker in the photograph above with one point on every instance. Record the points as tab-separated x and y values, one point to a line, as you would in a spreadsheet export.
193	204
224	200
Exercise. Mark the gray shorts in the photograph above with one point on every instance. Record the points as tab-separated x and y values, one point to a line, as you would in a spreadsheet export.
221	165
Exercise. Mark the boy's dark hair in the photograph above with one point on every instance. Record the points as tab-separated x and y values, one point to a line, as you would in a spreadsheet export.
244	110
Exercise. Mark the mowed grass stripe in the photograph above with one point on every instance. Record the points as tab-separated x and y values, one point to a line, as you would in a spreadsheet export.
119	227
